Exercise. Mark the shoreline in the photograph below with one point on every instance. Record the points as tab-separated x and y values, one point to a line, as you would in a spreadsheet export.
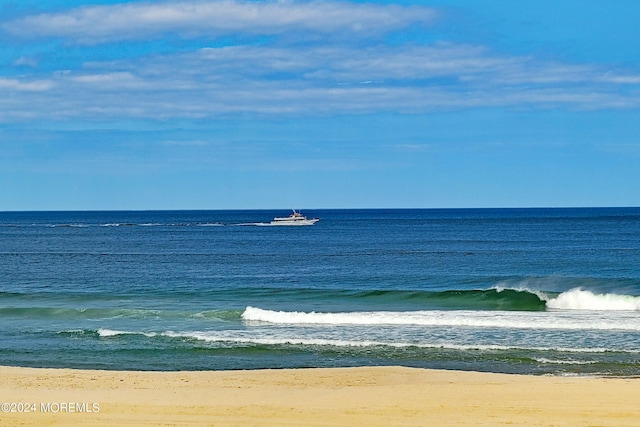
364	396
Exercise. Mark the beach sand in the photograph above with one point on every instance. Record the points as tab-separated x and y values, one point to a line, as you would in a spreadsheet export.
378	396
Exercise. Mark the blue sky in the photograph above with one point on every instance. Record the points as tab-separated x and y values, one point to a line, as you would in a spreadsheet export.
318	104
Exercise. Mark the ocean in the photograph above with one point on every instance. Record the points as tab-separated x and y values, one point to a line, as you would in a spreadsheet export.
530	291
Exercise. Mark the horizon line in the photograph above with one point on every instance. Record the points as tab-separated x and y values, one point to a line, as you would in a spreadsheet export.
322	209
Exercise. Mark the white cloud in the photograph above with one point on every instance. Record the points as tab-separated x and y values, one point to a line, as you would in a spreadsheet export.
440	64
25	61
25	85
111	81
316	79
96	24
630	79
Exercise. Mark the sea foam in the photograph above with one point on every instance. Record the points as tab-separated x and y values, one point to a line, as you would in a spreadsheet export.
560	320
274	340
105	333
578	299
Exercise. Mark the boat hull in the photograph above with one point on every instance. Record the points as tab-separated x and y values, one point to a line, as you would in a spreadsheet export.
294	222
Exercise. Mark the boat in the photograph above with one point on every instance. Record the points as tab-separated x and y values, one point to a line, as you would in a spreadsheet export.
296	218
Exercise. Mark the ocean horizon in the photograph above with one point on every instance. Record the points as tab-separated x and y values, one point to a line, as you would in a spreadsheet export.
516	290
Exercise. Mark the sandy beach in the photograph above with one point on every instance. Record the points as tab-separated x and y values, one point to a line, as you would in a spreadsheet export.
379	396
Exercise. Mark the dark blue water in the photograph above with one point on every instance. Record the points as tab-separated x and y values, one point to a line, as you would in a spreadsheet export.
504	290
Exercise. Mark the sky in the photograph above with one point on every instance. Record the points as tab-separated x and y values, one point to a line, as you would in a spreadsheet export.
278	104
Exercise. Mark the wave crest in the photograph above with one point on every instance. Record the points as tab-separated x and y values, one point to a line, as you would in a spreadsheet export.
448	318
579	299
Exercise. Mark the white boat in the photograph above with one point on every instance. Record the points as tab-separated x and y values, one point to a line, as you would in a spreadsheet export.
296	218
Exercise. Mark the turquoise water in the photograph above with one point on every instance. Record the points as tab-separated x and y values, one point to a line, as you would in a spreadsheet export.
536	291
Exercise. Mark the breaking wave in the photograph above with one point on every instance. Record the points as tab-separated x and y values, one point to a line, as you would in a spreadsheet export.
576	309
579	299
